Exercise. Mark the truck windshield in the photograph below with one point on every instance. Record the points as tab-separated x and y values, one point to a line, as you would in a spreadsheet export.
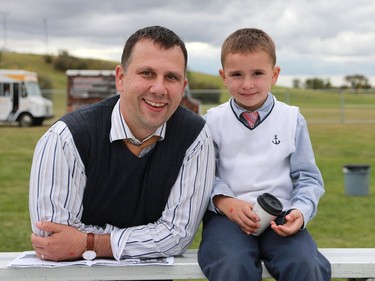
33	89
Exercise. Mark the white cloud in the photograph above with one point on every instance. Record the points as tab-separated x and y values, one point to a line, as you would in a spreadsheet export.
320	37
203	57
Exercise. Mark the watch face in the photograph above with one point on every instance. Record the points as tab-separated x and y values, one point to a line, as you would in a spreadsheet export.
89	255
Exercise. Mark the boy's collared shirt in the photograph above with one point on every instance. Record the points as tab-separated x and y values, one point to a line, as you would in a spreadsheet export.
263	111
302	157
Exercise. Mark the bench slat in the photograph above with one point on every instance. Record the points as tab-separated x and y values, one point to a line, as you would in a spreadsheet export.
346	263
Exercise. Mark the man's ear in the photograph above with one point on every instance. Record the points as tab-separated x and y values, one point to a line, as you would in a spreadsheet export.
119	72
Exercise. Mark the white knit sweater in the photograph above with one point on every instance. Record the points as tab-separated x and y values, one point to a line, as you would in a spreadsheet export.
252	162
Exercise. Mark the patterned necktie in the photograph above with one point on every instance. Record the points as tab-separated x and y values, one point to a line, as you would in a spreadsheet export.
137	149
251	118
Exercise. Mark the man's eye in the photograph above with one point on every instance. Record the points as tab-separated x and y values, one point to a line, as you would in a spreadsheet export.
146	73
235	74
172	77
258	73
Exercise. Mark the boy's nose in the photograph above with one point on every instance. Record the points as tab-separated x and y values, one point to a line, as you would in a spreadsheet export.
248	83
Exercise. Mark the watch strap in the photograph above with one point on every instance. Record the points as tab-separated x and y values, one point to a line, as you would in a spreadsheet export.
90	241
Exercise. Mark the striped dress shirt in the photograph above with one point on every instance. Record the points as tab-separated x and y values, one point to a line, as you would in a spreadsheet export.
58	180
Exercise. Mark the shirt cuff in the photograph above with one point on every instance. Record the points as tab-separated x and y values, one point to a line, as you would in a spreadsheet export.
306	213
119	237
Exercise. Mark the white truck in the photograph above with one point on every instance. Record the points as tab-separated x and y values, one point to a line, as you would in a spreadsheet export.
21	99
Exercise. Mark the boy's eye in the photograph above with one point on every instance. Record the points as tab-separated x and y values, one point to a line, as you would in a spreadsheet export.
235	74
258	73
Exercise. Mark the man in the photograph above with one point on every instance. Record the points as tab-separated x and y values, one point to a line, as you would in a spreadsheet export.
130	176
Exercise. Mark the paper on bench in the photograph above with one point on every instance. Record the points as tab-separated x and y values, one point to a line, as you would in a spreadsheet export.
30	259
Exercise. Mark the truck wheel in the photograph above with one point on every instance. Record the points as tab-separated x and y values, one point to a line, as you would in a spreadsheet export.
25	120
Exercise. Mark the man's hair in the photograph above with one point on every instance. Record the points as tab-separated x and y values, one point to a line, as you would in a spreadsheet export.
248	40
159	35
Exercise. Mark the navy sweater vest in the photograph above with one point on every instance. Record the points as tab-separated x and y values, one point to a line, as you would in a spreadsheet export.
122	189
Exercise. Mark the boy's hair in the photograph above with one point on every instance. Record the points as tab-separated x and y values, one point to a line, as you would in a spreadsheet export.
162	36
248	40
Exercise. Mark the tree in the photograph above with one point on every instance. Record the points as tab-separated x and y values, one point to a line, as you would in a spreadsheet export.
317	83
297	83
65	61
357	81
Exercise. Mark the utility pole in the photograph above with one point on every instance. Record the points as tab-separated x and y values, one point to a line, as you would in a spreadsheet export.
5	14
46	34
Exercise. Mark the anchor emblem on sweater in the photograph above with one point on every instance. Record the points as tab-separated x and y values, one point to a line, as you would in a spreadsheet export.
276	140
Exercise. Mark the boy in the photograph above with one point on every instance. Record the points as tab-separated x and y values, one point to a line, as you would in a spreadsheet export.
262	146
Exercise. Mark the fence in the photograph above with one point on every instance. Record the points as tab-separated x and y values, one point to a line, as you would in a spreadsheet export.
317	106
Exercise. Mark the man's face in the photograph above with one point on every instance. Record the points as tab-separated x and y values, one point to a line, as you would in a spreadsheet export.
249	77
151	87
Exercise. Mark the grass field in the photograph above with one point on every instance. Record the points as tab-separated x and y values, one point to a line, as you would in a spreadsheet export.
342	130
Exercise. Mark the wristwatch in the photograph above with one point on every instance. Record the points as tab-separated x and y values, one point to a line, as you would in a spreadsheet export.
89	254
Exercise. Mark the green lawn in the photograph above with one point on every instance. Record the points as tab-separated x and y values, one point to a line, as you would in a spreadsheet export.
342	220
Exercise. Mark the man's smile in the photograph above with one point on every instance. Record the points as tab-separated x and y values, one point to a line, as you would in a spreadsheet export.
155	104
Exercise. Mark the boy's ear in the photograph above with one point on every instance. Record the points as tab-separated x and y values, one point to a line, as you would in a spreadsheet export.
275	74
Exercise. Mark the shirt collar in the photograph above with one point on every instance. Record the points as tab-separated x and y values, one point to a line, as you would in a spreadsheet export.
121	131
263	110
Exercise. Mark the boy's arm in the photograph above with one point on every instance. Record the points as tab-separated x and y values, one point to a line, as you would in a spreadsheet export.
307	179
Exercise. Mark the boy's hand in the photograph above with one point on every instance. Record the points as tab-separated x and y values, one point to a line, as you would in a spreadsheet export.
238	211
294	222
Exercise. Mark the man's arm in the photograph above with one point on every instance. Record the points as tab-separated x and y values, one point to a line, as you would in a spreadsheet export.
55	247
56	196
57	182
186	205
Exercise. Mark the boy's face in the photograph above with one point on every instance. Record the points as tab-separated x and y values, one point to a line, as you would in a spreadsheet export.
249	77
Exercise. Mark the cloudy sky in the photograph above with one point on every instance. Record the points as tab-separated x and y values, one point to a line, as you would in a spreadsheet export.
320	38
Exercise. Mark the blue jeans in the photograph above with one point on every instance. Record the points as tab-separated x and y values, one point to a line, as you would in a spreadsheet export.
227	253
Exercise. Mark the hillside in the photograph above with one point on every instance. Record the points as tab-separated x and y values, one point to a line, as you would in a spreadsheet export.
45	70
52	79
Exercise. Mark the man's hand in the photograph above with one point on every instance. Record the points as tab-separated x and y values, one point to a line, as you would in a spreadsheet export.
294	222
238	211
63	243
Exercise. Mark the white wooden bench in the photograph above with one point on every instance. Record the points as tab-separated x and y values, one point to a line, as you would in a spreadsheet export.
346	263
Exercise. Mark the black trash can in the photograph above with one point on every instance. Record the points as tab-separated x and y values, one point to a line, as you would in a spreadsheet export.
356	179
